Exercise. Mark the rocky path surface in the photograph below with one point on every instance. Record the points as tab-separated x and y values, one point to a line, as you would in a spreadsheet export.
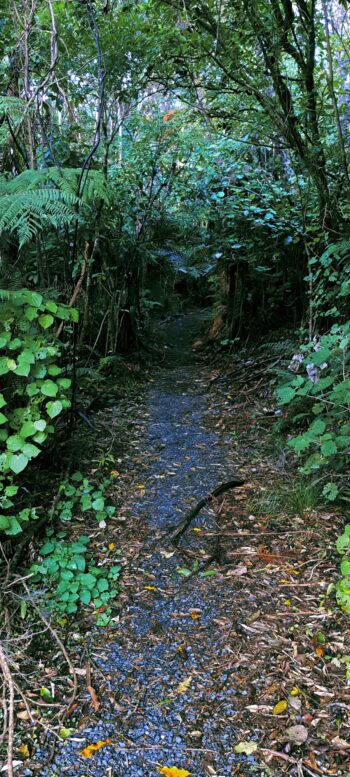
168	698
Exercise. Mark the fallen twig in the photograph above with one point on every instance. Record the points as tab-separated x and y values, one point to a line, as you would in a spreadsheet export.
8	680
187	520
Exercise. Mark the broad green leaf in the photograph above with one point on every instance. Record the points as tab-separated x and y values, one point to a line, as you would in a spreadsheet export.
46	320
54	408
49	388
285	395
18	463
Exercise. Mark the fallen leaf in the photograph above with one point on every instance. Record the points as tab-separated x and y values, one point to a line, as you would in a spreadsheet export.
172	771
195	615
111	546
294	691
23	715
246	747
184	686
297	734
88	751
149	587
65	733
46	694
240	570
24	750
319	651
281	706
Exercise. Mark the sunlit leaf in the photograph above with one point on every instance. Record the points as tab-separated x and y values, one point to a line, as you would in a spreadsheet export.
89	751
246	747
172	771
281	706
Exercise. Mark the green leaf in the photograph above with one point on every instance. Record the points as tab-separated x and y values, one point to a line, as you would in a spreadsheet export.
285	395
3	419
39	425
46	695
18	463
184	571
46	320
51	306
47	548
345	566
54	408
14	528
49	388
65	733
317	427
329	448
4	522
2	401
15	443
98	504
102	584
85	596
27	429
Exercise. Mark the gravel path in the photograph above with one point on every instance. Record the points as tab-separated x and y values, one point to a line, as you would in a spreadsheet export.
168	698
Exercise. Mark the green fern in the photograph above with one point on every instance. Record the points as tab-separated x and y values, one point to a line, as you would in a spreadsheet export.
39	199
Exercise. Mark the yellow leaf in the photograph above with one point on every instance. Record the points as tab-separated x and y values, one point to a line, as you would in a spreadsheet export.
294	691
114	473
184	686
195	615
281	706
246	747
172	771
141	486
287	602
197	528
149	587
24	750
111	546
88	751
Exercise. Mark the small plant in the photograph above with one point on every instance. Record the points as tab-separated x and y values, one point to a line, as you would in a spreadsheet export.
296	498
80	495
73	579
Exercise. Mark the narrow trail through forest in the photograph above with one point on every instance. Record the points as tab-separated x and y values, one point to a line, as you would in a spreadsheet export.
168	697
226	638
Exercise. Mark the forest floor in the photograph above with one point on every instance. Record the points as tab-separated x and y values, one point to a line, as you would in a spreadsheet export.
226	656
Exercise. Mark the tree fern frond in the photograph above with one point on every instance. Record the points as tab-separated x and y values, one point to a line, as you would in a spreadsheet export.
37	199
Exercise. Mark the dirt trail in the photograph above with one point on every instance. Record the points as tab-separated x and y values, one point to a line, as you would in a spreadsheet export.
228	638
168	698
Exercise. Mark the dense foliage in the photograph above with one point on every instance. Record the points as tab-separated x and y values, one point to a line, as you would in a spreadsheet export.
155	152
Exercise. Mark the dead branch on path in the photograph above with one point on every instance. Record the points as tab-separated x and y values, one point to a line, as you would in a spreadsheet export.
182	527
